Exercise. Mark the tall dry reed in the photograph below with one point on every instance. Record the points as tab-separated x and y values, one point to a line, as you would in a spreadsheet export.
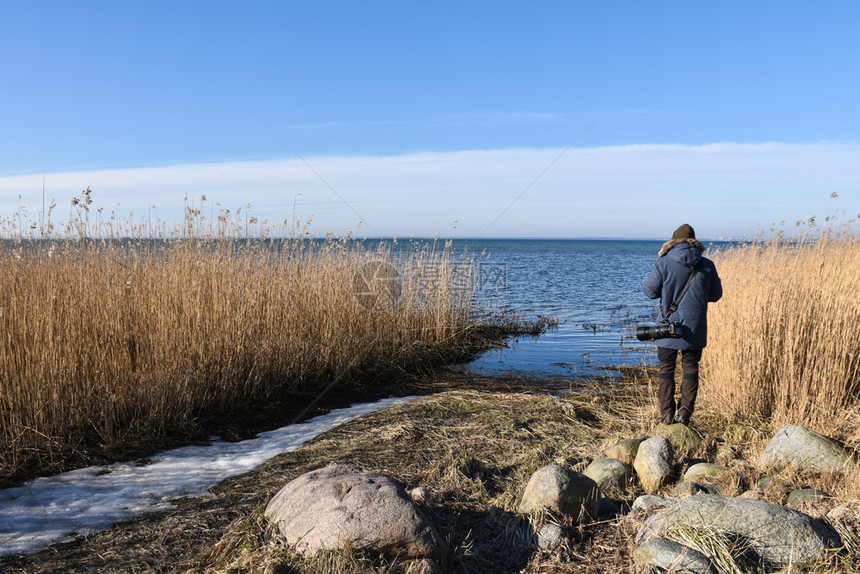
784	341
109	335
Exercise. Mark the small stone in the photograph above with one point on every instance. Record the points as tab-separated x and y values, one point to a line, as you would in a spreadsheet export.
421	494
551	536
797	498
772	483
778	535
648	502
846	512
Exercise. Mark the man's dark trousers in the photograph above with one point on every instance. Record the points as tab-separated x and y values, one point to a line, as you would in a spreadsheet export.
689	381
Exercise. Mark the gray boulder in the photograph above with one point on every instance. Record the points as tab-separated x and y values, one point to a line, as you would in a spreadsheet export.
339	504
653	463
664	555
625	450
561	490
610	474
776	535
804	449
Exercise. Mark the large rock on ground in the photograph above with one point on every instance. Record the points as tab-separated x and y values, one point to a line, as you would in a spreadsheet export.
776	535
625	450
684	438
561	490
610	474
666	555
706	471
805	449
331	506
653	463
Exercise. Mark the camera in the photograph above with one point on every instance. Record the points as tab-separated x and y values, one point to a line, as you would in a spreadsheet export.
666	330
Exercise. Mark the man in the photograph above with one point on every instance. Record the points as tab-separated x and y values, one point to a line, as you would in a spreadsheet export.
678	258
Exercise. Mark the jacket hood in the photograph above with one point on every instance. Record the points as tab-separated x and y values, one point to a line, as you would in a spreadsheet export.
685	246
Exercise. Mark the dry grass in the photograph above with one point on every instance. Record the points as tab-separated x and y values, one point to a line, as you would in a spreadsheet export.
476	451
784	343
111	337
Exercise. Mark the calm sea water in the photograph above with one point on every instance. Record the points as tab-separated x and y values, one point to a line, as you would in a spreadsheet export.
593	288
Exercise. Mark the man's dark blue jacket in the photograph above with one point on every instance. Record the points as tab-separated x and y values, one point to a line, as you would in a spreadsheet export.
676	261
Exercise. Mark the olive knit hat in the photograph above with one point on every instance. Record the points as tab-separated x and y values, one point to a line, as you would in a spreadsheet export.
684	232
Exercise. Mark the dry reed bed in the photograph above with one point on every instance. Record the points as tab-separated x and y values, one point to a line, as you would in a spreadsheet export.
108	342
784	342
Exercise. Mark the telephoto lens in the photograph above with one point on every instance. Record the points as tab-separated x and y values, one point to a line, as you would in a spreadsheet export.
649	332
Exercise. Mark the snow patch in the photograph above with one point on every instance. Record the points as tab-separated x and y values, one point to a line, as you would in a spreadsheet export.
63	507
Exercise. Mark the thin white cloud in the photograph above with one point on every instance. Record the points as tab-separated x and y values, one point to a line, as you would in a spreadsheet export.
447	120
320	125
727	189
493	118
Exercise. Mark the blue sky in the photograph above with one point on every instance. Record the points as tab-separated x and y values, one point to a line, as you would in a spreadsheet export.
417	119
